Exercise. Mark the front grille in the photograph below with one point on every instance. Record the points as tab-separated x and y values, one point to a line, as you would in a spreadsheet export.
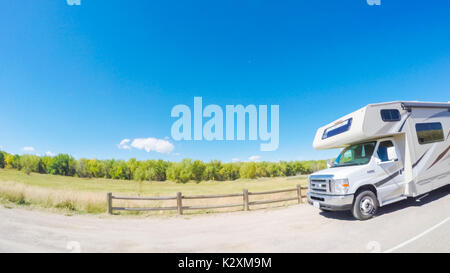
317	198
319	185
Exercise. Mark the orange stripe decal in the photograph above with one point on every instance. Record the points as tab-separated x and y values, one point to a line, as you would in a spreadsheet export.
439	157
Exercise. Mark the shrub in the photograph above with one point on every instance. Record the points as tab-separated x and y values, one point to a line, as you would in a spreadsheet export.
67	205
248	170
261	169
29	163
229	171
212	171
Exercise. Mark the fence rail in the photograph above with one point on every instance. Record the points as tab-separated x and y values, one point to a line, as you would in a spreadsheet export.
179	200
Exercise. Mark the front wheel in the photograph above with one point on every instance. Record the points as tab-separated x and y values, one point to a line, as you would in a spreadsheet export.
365	205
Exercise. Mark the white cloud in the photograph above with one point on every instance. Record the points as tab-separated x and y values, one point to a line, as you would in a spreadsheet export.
124	144
254	158
48	153
153	144
28	149
124	141
235	160
148	144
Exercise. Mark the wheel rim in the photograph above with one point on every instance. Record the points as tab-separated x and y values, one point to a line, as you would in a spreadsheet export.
366	205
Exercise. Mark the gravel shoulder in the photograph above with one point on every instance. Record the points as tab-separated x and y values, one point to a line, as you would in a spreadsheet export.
299	228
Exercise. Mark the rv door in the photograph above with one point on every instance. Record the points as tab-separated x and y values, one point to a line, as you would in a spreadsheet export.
390	185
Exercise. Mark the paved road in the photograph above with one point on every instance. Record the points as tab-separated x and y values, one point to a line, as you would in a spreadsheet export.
408	226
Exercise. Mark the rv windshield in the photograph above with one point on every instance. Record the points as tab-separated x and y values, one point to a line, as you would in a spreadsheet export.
358	154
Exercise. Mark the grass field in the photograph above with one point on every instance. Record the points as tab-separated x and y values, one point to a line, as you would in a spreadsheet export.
85	195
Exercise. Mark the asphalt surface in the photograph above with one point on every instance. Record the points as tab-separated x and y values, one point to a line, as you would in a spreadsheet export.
407	226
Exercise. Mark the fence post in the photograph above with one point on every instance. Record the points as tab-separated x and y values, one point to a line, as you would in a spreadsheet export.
179	203
109	202
299	194
245	199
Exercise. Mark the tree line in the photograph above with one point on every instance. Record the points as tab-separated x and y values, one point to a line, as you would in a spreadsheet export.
155	170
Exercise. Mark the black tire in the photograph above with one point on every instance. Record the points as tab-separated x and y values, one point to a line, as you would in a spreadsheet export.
365	205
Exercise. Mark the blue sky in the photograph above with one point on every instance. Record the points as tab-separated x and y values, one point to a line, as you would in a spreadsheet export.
80	79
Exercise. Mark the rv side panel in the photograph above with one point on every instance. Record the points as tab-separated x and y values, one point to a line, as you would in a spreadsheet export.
430	132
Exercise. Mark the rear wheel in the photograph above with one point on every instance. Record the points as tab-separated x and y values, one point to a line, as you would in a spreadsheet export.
365	205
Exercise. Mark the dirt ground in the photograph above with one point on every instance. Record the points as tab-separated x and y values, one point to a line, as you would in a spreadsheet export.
410	225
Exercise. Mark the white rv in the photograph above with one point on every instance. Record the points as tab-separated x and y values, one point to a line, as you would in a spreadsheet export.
391	151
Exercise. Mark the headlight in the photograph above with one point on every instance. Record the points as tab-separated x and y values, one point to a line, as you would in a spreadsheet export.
339	185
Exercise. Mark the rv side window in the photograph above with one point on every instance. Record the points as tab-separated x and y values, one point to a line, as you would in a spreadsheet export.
383	151
337	128
429	132
390	115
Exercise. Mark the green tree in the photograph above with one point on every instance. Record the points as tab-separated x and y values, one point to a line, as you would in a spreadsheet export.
248	170
159	170
229	171
198	168
107	167
29	163
2	159
156	170
212	170
315	165
12	161
96	168
62	164
140	173
274	170
286	169
82	168
119	170
180	171
45	161
262	169
299	167
132	165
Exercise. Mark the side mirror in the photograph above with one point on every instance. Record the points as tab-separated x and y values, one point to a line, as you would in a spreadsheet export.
329	163
392	153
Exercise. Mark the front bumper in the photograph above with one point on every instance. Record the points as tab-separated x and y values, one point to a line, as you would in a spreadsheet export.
331	202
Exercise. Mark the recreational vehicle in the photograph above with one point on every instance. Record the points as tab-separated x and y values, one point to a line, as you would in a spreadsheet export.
390	151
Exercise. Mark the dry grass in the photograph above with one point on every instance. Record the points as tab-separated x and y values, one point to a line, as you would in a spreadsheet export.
21	194
89	195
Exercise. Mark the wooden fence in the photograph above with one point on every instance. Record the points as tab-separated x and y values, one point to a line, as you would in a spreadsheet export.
246	203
